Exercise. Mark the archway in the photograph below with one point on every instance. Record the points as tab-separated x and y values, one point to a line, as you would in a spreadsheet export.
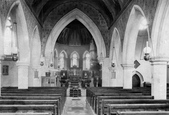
86	21
17	14
160	46
115	57
137	79
129	46
36	48
35	58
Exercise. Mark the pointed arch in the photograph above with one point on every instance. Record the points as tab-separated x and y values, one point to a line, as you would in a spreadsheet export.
115	47
74	59
84	54
140	76
36	48
63	60
131	33
86	21
22	32
160	31
74	52
86	60
63	51
115	57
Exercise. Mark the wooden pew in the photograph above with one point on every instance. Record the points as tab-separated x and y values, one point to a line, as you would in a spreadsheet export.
114	108
25	114
99	99
27	108
104	108
143	113
36	93
33	102
94	94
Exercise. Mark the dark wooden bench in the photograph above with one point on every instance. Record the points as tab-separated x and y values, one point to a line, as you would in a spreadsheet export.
143	113
25	114
104	108
27	108
35	95
99	99
114	108
33	102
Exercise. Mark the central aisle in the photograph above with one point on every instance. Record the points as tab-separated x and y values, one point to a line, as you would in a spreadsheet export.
77	106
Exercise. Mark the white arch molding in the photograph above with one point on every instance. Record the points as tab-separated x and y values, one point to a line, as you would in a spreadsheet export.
115	55
22	33
22	44
86	21
131	34
160	31
140	76
36	48
129	44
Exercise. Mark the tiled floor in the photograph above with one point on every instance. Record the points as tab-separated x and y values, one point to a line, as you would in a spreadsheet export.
77	106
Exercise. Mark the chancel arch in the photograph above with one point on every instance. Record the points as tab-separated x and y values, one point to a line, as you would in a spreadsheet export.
86	21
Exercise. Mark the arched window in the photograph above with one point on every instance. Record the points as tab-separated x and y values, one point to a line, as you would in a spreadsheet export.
86	60
62	61
74	59
8	37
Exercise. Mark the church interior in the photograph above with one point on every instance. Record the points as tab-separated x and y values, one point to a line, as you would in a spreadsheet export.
84	57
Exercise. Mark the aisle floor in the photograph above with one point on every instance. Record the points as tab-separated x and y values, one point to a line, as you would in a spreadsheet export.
77	106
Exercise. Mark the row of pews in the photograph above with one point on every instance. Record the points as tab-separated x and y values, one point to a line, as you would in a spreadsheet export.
119	101
32	101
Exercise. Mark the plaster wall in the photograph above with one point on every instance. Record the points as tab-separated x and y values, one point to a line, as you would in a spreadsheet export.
10	80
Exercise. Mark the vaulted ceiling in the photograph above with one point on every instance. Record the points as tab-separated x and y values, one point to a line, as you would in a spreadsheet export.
110	9
102	12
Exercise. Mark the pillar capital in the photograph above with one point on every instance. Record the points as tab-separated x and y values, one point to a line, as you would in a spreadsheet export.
21	63
159	59
127	66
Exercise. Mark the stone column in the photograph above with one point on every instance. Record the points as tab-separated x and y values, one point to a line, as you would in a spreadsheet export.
106	75
22	75
127	75
159	79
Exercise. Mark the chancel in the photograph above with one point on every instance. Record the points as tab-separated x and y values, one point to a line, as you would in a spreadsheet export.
84	57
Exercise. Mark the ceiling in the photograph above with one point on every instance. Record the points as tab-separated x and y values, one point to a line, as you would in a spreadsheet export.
75	34
110	9
75	31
